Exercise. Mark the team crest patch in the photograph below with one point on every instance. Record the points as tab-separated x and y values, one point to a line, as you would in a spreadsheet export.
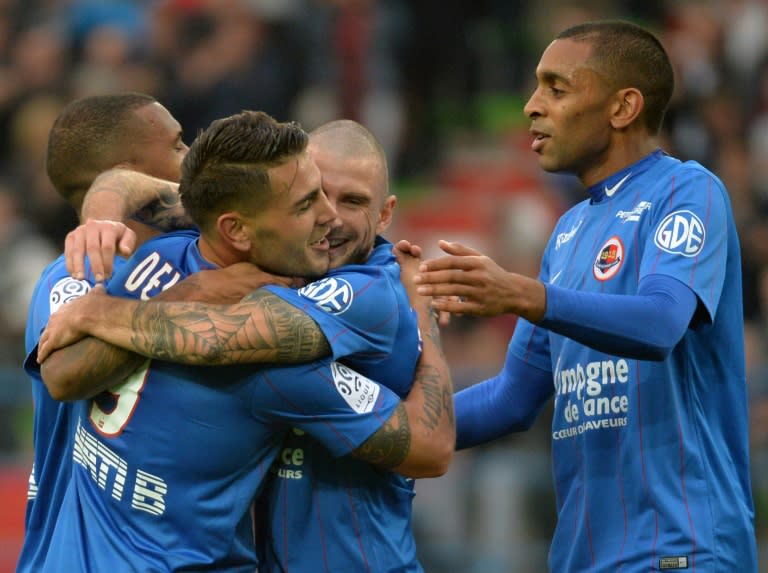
357	390
334	295
609	259
65	290
681	233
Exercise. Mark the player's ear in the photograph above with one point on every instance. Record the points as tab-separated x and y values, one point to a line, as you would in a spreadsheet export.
385	215
627	106
233	230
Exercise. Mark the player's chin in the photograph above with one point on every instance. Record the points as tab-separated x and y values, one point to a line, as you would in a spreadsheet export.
318	263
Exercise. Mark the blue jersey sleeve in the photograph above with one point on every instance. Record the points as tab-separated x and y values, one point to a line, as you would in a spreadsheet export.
649	326
334	404
688	239
508	402
357	312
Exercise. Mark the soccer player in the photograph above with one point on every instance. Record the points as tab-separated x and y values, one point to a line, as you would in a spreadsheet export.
636	317
255	196
361	299
89	136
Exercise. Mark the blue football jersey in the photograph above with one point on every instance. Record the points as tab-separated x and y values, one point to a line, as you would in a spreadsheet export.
650	458
167	464
331	514
52	420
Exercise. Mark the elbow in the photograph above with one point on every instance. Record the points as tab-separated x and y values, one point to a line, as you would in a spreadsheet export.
432	465
441	462
59	387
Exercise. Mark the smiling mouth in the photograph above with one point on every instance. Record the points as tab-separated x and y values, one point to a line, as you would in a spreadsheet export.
321	244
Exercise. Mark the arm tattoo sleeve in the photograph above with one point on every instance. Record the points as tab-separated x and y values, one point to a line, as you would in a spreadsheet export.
389	446
165	213
262	328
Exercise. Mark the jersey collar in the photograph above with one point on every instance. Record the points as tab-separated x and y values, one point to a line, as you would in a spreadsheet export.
610	186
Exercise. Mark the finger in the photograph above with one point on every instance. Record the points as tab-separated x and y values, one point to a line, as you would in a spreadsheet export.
98	244
416	251
74	254
443	318
452	291
403	245
43	348
456	307
454	248
127	244
459	263
450	276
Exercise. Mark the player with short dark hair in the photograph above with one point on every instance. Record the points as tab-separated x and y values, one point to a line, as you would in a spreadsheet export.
90	135
636	317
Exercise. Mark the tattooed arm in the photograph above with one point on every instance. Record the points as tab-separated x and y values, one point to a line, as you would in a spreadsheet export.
115	197
418	439
120	194
261	328
86	366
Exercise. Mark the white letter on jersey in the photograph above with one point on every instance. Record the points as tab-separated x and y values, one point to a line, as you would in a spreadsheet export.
682	233
149	493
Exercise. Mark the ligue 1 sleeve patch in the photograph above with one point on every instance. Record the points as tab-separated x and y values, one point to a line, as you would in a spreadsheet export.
357	390
680	233
332	294
609	259
65	290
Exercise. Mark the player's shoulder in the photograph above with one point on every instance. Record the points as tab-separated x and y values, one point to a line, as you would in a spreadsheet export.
57	287
682	172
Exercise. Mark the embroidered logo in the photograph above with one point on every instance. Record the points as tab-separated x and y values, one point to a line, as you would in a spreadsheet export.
357	390
333	295
563	238
609	259
681	233
634	215
65	290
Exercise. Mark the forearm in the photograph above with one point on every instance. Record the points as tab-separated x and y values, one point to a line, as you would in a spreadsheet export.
509	402
262	328
120	194
429	409
86	368
645	326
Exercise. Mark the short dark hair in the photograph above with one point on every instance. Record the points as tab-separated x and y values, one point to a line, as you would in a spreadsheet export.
630	56
227	164
91	135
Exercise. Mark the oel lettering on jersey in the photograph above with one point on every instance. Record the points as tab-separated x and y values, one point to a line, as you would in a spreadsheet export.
151	276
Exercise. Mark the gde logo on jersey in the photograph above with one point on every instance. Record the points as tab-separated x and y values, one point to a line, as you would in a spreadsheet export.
333	295
681	233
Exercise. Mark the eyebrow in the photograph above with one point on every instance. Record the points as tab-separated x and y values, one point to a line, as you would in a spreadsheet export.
552	77
307	196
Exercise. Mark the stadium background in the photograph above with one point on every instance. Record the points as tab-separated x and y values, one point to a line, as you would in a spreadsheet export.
442	84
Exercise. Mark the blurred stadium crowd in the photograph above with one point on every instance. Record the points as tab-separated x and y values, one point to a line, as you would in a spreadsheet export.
441	84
